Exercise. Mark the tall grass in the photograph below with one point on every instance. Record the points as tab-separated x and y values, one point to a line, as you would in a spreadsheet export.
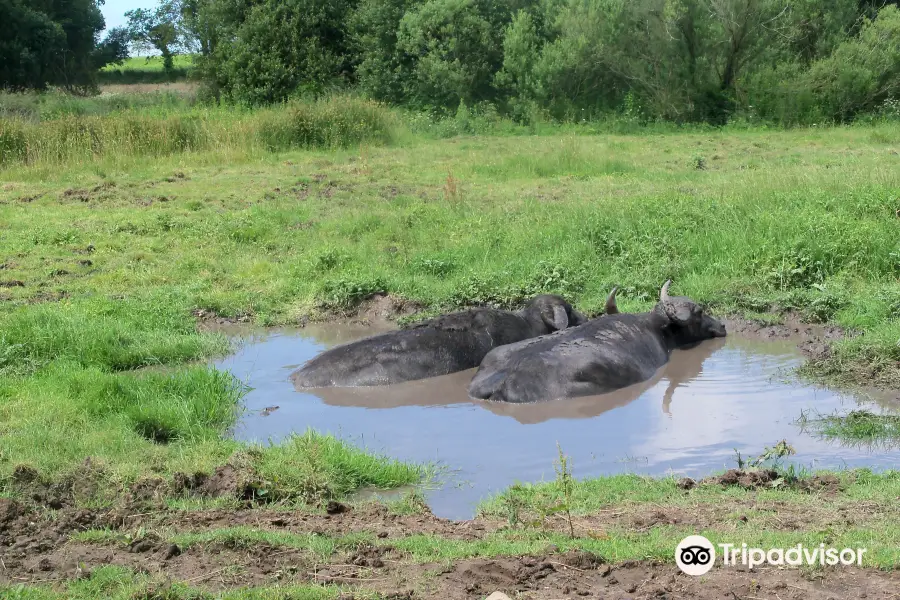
78	138
101	333
47	106
313	466
68	378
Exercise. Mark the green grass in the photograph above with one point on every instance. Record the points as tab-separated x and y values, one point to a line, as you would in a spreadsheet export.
146	69
119	583
34	107
311	466
592	495
117	237
777	218
656	544
857	426
151	63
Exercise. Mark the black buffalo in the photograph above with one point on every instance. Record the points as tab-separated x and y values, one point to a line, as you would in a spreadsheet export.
438	346
600	356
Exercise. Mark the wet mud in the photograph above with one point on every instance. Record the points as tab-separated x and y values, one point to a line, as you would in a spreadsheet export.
37	549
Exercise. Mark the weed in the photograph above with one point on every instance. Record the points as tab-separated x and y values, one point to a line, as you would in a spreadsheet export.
769	457
346	292
565	482
451	188
435	266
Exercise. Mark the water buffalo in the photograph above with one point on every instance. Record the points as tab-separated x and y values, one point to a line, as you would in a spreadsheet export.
600	356
438	346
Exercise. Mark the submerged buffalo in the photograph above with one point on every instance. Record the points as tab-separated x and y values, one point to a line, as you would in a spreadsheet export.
438	346
600	356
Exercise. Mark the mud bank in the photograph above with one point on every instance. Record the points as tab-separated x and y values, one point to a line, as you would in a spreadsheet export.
43	548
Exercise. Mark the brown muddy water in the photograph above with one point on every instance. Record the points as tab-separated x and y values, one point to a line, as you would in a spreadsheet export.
724	395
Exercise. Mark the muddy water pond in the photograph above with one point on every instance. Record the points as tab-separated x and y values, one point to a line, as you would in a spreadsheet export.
726	395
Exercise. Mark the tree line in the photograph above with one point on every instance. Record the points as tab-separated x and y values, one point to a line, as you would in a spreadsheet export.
55	42
797	61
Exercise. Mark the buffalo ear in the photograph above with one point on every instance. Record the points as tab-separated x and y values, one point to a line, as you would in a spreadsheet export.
560	318
679	313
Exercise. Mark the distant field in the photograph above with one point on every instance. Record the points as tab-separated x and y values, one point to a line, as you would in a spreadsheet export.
150	63
146	70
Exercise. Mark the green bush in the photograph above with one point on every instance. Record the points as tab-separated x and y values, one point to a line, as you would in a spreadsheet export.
337	123
191	404
863	72
277	48
456	49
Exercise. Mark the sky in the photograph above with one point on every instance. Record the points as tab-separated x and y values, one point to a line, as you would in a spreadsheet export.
114	10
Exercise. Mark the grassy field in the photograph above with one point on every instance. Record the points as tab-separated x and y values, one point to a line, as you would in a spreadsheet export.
118	227
151	63
146	70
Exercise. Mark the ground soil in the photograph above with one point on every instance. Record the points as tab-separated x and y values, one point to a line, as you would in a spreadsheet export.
36	547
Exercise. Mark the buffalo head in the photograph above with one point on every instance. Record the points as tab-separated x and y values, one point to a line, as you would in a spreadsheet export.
552	312
688	322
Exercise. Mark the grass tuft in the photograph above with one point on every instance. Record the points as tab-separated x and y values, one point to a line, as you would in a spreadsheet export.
857	426
318	467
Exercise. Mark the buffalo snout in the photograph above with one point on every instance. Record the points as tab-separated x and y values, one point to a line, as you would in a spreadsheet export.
715	327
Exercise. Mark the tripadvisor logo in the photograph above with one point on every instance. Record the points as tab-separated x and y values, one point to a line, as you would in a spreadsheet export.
695	555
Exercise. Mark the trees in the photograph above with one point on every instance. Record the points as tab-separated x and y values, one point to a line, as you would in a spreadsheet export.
52	42
264	50
161	29
682	60
455	49
863	71
114	48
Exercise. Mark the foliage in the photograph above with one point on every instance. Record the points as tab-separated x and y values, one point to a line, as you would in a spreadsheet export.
53	42
275	48
863	72
455	49
161	30
701	61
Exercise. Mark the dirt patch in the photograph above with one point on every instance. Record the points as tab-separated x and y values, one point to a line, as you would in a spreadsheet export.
37	547
226	481
103	191
53	296
542	577
176	176
86	482
209	319
378	309
752	479
12	283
